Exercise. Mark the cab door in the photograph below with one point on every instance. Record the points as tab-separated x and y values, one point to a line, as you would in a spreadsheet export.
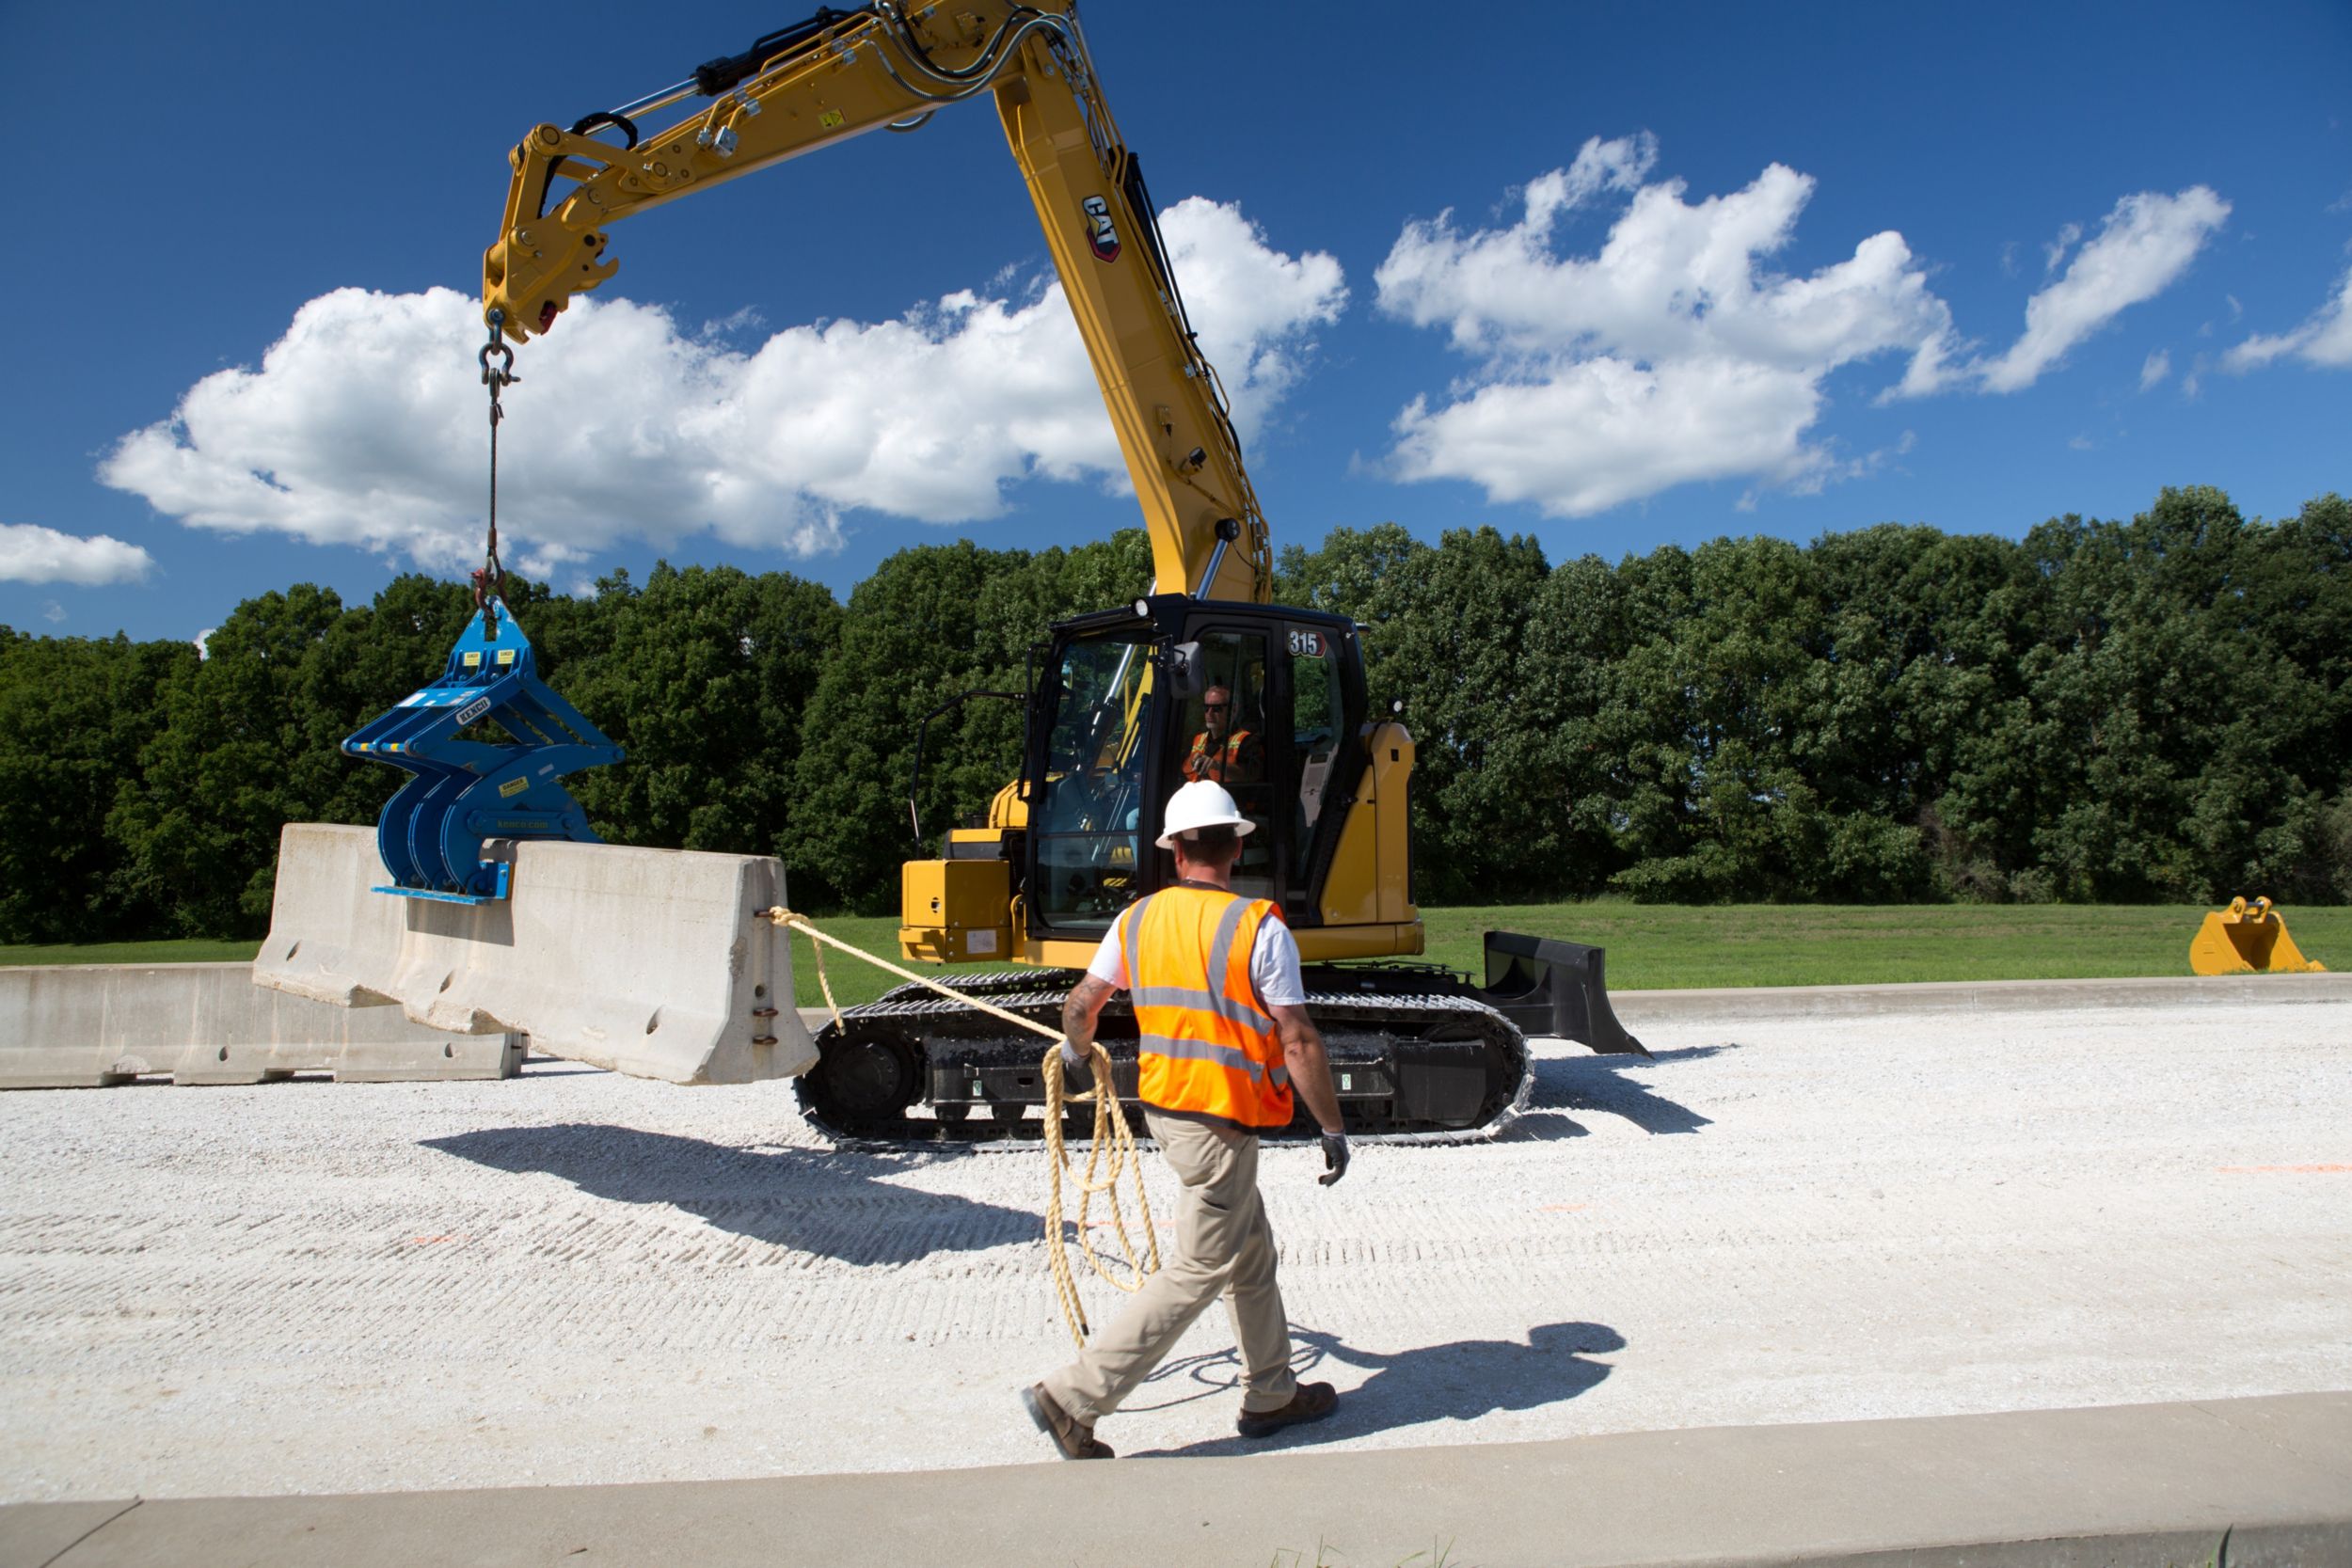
1227	730
1325	755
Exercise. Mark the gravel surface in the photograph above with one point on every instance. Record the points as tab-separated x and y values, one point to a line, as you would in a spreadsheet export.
580	1277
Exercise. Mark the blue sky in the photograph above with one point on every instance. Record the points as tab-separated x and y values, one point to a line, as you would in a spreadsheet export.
1971	266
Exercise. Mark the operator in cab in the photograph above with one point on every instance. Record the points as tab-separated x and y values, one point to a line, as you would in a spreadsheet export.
1221	754
1225	1043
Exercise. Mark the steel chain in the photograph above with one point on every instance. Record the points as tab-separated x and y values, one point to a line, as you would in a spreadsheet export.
489	580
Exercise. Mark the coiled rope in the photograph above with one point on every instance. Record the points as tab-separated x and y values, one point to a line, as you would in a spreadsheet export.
1110	1149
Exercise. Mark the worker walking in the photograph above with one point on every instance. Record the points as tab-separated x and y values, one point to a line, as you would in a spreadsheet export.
1226	1041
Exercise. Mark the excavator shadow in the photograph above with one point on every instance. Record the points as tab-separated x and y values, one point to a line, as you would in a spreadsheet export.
837	1205
1460	1381
1613	1085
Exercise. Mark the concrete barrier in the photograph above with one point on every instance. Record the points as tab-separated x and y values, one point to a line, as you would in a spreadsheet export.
84	1026
644	962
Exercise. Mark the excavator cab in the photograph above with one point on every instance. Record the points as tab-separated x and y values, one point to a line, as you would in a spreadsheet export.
1264	700
1130	704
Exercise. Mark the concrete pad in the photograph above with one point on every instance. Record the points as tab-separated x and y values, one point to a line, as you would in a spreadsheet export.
651	962
84	1026
2133	1483
582	1278
35	1534
2184	992
1734	1003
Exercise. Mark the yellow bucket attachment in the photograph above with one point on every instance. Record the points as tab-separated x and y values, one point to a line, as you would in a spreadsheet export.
2247	939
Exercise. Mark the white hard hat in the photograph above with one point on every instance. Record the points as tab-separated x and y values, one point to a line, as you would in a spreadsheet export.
1201	803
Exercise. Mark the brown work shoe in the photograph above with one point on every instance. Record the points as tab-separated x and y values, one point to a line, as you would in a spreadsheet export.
1075	1437
1312	1403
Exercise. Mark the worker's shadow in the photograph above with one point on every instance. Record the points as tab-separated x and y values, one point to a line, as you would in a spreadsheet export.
1457	1381
1567	1087
835	1204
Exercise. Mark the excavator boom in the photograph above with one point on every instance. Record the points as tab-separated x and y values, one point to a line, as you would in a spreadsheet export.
843	73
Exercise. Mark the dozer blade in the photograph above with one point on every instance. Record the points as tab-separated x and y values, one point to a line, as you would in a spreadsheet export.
2247	939
1554	988
652	962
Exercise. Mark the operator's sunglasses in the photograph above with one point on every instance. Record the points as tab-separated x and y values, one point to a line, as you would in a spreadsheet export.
1216	708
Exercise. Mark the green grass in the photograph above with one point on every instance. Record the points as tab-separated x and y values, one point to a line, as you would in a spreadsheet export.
1659	946
1650	946
192	950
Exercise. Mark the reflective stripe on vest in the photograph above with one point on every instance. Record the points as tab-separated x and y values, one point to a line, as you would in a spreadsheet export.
1215	763
1208	1044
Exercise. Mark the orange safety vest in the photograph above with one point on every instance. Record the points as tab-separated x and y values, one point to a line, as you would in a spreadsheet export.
1209	1050
1215	761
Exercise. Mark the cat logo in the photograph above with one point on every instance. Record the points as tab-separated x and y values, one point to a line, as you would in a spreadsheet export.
1100	233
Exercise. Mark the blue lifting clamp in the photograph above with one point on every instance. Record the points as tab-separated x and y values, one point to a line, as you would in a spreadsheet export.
435	835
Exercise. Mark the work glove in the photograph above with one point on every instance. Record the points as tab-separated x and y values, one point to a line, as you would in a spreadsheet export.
1078	1067
1334	1157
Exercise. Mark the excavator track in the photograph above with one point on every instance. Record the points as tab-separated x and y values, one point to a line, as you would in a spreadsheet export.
1414	1058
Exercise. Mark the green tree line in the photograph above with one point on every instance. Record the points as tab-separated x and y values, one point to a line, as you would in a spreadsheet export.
2156	709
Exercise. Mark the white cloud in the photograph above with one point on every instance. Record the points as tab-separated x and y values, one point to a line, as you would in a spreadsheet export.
2324	339
2055	252
2145	244
364	424
53	612
30	553
204	642
1671	356
2154	368
1594	433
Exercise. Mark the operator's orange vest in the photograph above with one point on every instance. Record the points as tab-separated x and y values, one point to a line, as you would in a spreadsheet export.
1211	1052
1212	762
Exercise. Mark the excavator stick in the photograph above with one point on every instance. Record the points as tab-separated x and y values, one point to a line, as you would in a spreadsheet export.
1554	988
2246	939
654	963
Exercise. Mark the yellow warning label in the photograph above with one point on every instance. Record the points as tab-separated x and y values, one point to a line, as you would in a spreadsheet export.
506	656
473	659
513	787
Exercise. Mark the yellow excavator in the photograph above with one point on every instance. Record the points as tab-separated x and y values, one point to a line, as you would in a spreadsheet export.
1124	704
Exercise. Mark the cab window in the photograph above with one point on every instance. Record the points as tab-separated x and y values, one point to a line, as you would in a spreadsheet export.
1220	733
1086	825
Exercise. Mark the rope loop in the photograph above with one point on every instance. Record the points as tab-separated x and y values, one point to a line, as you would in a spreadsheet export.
1110	1149
1112	1134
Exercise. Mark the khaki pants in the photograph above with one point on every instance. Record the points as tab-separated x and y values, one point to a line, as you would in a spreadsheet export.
1223	1247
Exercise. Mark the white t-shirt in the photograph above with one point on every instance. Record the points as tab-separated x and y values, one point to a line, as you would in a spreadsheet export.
1273	964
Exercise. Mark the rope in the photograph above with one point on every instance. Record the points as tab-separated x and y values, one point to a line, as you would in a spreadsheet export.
1111	1134
1111	1131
